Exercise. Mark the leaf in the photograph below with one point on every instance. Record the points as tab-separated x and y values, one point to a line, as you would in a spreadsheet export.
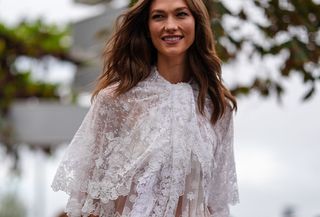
242	15
241	90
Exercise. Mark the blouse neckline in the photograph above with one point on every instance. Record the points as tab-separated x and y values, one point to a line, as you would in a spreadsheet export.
160	77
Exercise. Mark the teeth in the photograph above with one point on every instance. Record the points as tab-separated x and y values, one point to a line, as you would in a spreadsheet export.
172	38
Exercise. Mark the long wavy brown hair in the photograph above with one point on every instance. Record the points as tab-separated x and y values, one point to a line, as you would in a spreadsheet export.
130	54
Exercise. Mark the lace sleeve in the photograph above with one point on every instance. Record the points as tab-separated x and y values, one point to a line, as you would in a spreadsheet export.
75	169
224	189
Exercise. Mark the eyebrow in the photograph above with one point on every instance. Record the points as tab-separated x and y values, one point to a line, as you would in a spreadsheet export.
162	11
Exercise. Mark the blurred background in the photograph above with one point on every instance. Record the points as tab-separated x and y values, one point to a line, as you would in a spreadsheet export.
50	56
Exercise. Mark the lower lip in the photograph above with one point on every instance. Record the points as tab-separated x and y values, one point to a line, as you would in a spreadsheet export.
171	42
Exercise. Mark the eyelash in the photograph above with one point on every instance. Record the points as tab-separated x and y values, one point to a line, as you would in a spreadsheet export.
183	14
159	16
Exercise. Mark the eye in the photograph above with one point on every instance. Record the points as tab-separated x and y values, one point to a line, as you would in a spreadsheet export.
157	16
182	14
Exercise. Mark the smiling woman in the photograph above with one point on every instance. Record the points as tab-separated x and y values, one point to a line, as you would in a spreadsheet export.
158	139
172	31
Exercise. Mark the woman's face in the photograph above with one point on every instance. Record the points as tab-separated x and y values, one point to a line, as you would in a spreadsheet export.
171	26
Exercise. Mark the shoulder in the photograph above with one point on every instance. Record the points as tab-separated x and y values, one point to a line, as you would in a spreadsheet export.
227	117
228	110
107	93
104	101
225	122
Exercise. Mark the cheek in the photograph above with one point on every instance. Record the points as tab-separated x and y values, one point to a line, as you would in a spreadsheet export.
154	32
189	26
191	30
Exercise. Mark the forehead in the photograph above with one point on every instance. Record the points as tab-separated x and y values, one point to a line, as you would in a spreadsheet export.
167	4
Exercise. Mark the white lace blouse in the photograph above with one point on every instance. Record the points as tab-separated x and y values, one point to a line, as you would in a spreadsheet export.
153	146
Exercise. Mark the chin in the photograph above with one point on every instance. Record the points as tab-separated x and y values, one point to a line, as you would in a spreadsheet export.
173	53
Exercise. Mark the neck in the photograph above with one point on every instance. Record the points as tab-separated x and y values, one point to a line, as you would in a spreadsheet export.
173	69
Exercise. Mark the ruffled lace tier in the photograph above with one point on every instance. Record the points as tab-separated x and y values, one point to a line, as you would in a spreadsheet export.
151	150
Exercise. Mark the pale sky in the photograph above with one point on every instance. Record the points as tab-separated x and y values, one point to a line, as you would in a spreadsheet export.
58	11
277	147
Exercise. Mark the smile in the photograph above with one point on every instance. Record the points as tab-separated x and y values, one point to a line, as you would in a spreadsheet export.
172	39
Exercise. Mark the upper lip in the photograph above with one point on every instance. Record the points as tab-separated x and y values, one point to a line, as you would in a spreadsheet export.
165	36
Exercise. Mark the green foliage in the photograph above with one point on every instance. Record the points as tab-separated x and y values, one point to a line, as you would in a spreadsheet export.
290	27
132	2
22	86
35	41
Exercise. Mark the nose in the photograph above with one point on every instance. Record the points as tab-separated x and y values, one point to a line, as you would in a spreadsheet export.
170	25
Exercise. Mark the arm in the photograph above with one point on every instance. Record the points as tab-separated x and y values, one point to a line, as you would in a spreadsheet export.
224	189
79	162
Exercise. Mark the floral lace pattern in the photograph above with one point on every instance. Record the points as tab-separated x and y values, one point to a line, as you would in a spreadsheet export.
151	146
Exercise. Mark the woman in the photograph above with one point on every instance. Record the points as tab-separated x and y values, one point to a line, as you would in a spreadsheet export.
157	140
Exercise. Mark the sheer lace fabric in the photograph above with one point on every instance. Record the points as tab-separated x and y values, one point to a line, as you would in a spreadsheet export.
153	146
